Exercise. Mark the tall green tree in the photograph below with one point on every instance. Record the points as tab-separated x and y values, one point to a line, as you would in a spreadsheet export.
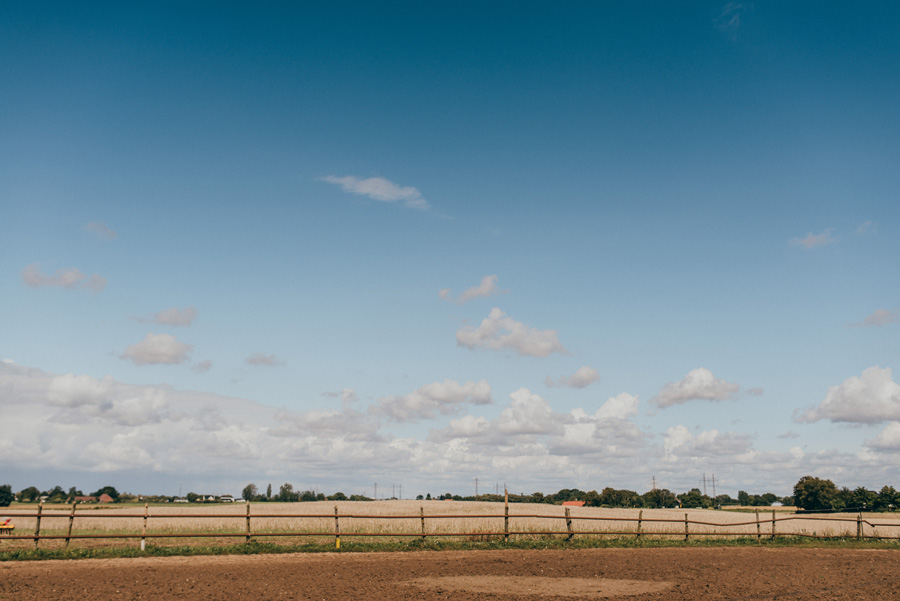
250	492
812	493
6	495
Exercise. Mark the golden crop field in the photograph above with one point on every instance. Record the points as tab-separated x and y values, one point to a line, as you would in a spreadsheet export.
380	518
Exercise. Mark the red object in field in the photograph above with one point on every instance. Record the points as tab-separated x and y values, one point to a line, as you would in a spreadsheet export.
573	503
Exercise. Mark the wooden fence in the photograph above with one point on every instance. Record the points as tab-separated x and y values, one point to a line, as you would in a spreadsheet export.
766	526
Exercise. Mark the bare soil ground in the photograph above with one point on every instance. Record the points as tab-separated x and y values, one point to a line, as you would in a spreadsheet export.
503	575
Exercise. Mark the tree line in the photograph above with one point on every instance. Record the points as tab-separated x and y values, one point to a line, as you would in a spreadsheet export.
810	494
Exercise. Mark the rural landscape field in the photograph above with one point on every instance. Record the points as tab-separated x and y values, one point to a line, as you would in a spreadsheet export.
446	520
269	271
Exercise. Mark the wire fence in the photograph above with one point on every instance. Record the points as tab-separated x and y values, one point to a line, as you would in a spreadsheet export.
247	525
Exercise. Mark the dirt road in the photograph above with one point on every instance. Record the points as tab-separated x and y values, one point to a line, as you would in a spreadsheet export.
671	574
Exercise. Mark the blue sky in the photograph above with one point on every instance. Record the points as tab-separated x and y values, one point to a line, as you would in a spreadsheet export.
574	246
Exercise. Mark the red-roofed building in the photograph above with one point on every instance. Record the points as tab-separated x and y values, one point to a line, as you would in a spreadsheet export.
105	498
573	503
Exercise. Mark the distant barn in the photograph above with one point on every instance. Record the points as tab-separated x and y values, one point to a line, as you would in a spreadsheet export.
573	503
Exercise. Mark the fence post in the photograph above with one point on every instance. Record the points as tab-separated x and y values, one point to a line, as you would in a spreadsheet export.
859	526
337	529
569	525
37	526
640	517
773	524
247	539
505	515
422	517
144	527
686	533
71	519
757	526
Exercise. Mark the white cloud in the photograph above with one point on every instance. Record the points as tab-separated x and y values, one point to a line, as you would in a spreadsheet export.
698	384
583	376
871	398
679	442
63	278
263	359
380	189
529	414
881	317
100	230
171	317
445	397
888	439
487	287
157	349
498	332
815	240
864	228
621	406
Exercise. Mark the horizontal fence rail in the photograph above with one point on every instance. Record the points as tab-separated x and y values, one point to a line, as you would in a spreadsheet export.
335	526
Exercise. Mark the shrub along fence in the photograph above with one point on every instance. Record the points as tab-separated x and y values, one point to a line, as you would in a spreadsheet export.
766	526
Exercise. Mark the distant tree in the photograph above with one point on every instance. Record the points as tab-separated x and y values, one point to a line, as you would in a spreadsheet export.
30	494
428	497
691	499
250	492
338	496
106	490
861	498
743	497
887	499
286	493
269	491
73	492
193	497
659	498
787	501
307	495
55	495
359	498
6	495
815	493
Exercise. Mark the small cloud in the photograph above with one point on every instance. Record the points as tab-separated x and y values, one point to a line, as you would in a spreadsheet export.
622	406
487	287
583	376
788	435
70	278
815	240
263	359
100	230
157	349
347	395
729	20
864	228
202	367
171	317
881	317
755	391
497	331
698	385
380	189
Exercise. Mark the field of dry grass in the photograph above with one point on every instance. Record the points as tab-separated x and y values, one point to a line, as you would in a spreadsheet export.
381	518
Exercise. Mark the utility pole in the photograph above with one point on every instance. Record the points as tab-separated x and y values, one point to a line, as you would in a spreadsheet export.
476	489
714	485
401	491
376	491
